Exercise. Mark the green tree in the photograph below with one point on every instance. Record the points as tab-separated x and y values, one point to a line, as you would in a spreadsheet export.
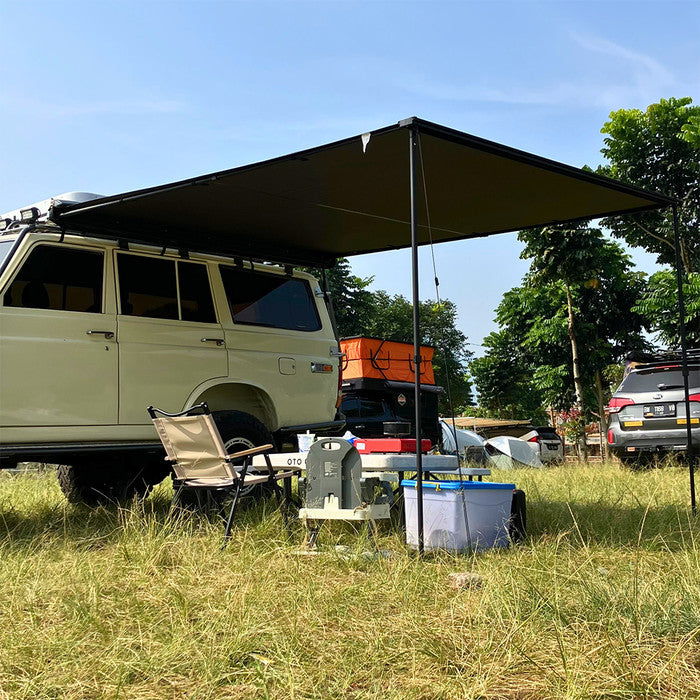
690	132
659	304
658	149
391	318
600	289
503	378
566	254
564	325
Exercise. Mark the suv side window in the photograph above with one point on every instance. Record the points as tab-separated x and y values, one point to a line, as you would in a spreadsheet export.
263	299
58	278
196	303
149	287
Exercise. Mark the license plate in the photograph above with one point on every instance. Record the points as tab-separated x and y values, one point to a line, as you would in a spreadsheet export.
659	410
552	447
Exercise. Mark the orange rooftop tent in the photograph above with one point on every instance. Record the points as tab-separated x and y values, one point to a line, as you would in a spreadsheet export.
385	359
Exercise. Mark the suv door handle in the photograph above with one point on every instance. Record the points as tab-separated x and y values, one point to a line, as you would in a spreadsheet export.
218	341
106	334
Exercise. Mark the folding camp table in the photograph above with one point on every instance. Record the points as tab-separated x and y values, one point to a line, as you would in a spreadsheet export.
389	462
386	464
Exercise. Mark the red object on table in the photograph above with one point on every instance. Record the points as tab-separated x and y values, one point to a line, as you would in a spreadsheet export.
372	445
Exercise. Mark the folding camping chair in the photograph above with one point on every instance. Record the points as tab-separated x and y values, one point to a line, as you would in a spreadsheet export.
196	451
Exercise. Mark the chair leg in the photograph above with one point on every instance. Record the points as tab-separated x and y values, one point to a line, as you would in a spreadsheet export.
282	505
279	495
374	533
239	483
292	500
229	522
176	497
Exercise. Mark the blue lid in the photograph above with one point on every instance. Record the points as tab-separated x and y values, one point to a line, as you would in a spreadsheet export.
457	485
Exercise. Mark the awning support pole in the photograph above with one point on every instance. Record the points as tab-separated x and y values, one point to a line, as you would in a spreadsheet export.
684	357
413	160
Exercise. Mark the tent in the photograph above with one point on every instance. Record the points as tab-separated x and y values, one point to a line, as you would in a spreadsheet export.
409	184
507	452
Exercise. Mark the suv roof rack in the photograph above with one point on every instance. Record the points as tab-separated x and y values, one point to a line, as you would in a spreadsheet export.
663	358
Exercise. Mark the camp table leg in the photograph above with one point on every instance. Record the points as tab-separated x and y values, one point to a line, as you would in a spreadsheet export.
400	502
312	530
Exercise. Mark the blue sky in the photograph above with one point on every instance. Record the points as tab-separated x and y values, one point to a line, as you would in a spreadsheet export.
113	96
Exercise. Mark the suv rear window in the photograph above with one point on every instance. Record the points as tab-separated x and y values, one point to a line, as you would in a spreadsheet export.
649	379
262	299
58	278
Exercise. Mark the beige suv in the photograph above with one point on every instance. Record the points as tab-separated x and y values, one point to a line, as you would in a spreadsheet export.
93	331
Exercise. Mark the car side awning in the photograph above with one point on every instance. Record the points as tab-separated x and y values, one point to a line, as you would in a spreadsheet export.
353	196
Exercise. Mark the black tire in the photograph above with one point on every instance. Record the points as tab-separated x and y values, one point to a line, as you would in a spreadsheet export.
105	480
518	517
240	431
637	462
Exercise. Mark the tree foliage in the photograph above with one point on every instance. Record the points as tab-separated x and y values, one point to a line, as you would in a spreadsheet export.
503	377
597	274
392	318
528	363
658	149
659	303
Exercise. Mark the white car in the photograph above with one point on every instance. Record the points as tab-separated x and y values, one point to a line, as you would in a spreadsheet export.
547	442
469	444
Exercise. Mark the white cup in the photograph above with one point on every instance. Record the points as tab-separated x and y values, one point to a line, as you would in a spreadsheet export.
305	440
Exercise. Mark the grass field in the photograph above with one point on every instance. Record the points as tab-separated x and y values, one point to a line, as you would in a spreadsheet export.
601	601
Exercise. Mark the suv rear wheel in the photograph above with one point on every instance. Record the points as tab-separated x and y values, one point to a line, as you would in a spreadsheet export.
240	431
108	479
642	460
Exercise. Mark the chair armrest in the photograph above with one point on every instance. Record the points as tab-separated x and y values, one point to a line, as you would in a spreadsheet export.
250	451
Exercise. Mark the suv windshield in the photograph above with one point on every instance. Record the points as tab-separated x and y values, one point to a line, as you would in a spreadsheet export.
649	379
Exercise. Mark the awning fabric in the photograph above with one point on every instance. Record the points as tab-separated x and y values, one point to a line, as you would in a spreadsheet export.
353	196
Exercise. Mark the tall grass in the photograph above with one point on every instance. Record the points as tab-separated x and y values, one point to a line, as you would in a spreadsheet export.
601	601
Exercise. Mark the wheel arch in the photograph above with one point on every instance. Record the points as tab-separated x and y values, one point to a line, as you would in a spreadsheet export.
237	396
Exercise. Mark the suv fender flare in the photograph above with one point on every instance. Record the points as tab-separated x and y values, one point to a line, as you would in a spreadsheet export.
233	395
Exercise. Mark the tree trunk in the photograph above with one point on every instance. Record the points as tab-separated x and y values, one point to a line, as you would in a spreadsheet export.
578	385
602	417
685	256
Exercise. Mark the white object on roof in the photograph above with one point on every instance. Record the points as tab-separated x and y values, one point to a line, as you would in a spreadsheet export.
46	204
508	452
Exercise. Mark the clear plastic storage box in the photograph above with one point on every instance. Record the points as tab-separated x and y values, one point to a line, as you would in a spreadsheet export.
459	515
